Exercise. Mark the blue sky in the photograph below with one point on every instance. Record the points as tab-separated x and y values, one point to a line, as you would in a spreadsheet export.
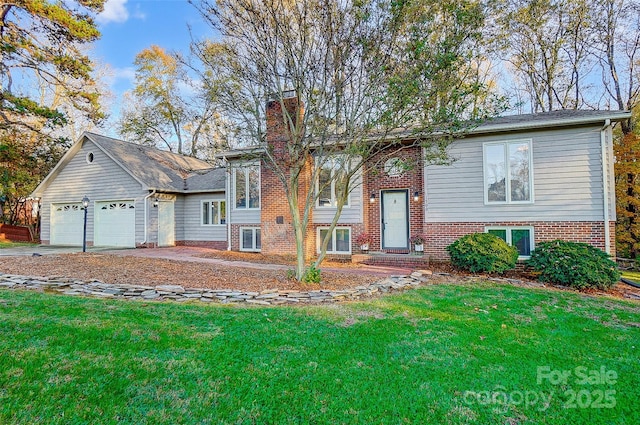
128	26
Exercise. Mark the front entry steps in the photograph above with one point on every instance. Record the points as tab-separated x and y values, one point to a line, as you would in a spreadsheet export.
391	259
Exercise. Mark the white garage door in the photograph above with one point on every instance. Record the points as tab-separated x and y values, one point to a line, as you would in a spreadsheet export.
66	224
115	224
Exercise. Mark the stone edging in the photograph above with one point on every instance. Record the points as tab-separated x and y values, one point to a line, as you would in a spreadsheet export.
68	286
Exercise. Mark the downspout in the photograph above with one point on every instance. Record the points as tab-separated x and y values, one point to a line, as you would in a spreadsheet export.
227	197
605	185
146	204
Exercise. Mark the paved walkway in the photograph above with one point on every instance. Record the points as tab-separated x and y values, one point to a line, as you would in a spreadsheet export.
192	254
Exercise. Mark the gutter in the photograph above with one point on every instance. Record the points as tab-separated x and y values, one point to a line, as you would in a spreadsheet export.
227	197
146	207
605	185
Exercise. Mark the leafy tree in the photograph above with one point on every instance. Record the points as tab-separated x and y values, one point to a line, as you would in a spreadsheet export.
169	108
41	39
45	82
357	68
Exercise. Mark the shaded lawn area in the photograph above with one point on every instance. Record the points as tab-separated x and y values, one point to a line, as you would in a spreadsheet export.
441	354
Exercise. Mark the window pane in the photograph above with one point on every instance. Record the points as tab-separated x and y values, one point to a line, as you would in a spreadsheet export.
254	187
258	239
205	213
521	239
323	234
241	188
501	233
495	173
324	186
214	213
342	240
247	238
223	212
519	170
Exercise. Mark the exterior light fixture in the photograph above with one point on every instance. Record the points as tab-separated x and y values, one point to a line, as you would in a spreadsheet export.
372	199
416	196
155	203
85	205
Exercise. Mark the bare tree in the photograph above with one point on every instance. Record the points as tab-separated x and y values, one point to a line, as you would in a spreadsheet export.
368	77
547	46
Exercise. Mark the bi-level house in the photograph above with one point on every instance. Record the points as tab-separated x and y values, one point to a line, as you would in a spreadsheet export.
525	178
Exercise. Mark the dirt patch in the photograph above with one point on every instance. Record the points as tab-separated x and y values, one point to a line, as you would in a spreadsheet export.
110	268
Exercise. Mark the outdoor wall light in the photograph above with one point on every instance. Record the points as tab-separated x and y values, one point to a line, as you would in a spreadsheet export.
155	203
416	196
372	199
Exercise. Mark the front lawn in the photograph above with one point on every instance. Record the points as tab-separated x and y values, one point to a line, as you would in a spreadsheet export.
10	244
443	354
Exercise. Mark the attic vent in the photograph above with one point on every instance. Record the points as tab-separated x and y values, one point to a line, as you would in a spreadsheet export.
89	157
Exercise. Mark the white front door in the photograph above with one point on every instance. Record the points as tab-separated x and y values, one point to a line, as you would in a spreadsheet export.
115	224
66	226
395	219
166	224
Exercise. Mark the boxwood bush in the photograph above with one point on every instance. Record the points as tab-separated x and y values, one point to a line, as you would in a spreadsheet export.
483	252
578	265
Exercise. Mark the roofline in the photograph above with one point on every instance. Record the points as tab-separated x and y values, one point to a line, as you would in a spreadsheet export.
236	153
488	127
482	128
66	158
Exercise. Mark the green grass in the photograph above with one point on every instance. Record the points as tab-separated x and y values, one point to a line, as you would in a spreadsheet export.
10	244
418	357
635	276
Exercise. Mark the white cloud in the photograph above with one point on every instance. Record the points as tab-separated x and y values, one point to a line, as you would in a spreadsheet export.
114	11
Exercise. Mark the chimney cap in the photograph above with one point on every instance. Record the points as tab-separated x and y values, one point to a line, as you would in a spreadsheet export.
286	94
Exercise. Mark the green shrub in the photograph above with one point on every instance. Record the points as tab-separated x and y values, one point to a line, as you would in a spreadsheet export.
579	265
311	275
483	252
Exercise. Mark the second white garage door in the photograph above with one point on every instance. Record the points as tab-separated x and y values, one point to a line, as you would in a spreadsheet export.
115	224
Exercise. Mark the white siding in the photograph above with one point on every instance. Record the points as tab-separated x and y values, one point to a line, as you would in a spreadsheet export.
567	180
350	214
193	229
101	180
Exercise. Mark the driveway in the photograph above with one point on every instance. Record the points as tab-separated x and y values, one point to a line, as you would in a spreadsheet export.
46	250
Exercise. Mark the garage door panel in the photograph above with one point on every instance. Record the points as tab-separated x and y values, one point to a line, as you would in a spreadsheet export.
115	224
66	224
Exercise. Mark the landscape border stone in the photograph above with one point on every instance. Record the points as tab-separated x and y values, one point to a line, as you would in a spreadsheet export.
95	288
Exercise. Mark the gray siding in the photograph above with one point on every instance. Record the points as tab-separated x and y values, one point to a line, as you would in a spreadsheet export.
193	230
179	215
351	214
567	180
245	216
102	180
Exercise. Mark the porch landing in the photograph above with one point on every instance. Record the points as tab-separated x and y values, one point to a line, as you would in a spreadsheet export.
391	259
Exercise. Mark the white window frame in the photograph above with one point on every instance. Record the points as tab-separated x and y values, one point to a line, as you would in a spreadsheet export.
320	162
485	185
253	248
210	202
331	249
509	229
245	168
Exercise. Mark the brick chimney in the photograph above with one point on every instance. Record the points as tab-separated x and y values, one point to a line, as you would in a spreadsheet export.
277	231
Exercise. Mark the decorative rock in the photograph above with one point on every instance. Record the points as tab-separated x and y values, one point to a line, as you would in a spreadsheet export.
170	288
180	294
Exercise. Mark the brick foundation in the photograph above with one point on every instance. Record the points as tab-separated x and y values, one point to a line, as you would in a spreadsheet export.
221	245
440	235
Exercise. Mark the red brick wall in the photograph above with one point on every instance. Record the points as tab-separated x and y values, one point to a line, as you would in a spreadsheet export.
221	245
279	238
376	180
440	235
